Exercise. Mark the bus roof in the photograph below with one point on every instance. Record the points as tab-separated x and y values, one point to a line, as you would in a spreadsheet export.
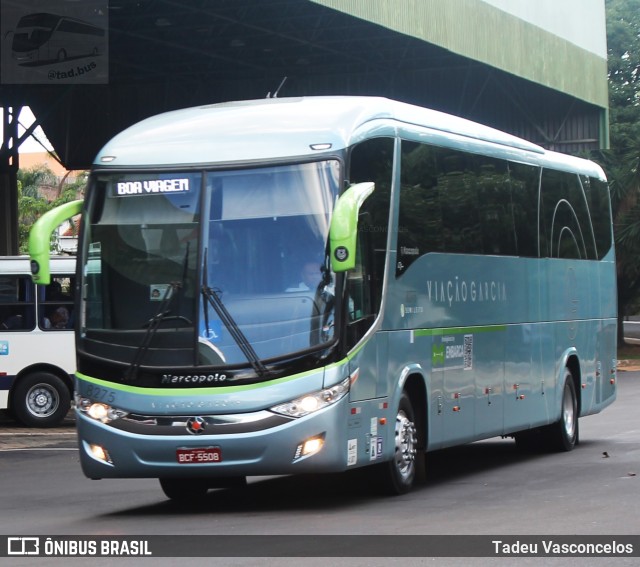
22	264
281	128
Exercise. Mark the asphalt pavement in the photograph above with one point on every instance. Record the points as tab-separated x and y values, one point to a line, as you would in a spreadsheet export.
15	436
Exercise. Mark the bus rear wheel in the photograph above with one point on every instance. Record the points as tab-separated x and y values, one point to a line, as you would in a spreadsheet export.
563	435
40	399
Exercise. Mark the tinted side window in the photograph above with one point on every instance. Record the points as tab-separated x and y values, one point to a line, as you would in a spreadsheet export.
597	195
495	206
17	308
370	161
456	202
525	182
420	219
565	223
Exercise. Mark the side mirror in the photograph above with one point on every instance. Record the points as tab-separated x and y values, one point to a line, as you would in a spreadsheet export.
40	236
343	232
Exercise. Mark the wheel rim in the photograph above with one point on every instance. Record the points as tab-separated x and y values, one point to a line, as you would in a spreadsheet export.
42	400
569	413
405	446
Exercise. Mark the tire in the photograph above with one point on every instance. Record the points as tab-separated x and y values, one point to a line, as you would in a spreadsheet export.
564	434
184	489
399	474
40	399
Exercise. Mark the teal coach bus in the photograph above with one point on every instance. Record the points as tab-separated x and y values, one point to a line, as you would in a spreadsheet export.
320	284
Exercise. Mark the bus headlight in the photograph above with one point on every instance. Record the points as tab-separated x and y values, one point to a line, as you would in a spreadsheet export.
314	401
104	413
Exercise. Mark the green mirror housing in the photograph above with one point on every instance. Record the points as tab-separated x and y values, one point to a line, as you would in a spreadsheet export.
343	232
40	236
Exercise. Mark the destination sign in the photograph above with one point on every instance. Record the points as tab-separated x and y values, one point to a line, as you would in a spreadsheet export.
152	186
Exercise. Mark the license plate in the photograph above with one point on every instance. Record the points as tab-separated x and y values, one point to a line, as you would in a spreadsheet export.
199	456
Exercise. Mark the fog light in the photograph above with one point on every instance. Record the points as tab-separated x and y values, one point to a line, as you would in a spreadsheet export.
309	447
312	446
100	453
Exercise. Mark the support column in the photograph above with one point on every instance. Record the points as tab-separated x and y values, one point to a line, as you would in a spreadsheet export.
9	182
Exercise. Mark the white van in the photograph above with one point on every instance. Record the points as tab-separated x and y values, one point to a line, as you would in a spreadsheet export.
37	354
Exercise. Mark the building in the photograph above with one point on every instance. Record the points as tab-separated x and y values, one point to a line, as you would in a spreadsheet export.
535	69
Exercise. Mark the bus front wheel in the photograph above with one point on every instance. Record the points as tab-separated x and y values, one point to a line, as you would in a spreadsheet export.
40	399
399	474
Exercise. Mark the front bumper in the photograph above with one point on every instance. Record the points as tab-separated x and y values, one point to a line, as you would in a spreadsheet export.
251	444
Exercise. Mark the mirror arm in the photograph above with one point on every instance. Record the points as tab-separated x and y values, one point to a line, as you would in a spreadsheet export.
40	237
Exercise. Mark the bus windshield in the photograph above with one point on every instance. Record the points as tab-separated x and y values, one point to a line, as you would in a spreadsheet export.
210	263
33	31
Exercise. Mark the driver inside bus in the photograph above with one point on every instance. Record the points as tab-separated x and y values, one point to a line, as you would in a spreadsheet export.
310	276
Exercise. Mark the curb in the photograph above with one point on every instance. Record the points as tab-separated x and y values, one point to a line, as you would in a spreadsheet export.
629	365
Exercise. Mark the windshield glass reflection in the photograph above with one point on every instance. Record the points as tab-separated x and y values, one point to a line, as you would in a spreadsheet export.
265	259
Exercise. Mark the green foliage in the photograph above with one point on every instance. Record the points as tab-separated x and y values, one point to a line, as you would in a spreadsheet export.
34	178
622	160
32	205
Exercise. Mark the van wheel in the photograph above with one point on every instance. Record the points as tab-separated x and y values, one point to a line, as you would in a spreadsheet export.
398	475
40	399
564	435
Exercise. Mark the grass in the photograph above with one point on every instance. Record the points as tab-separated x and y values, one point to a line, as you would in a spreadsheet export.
629	352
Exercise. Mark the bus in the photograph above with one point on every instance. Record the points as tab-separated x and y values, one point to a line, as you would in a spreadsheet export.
43	38
319	284
37	354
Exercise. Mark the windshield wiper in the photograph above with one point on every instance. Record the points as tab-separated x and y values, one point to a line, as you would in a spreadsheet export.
152	326
238	336
212	297
162	314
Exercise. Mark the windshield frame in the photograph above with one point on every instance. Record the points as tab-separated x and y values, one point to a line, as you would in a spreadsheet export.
96	200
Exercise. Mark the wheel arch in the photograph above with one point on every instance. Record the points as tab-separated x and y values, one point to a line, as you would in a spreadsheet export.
413	382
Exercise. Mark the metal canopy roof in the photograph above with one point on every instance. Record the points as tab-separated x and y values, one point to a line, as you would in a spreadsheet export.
245	39
165	54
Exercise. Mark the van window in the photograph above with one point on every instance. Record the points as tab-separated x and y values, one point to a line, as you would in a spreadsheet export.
17	308
56	304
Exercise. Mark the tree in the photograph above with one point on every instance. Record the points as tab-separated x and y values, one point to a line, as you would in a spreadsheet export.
32	205
622	161
34	178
